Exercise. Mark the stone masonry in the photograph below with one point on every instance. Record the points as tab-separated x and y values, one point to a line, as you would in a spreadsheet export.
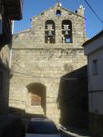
38	62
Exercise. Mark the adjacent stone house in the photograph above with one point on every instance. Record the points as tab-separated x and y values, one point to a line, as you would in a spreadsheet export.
42	55
8	11
93	48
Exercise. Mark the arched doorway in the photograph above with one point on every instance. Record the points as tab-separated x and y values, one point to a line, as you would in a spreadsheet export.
37	92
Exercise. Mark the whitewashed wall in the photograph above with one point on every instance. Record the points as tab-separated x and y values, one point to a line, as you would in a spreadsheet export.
94	51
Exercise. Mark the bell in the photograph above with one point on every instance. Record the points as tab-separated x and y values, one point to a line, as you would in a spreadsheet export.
66	27
50	33
50	27
66	32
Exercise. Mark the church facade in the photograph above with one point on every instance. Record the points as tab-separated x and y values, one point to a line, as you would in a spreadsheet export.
42	55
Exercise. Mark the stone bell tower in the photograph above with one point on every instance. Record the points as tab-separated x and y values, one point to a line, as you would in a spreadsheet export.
42	55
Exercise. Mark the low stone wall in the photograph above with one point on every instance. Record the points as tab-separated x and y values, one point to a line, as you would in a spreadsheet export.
96	124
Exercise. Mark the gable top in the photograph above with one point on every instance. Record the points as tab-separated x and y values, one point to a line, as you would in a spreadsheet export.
58	6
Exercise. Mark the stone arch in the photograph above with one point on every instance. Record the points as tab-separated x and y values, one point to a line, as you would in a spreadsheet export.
66	31
38	95
49	31
58	13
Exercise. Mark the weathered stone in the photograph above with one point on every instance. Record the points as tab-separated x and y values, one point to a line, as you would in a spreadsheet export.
43	64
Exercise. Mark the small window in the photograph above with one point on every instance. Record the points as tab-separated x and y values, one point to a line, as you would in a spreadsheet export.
0	26
58	13
95	67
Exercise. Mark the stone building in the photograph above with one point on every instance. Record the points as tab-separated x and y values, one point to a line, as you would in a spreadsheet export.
42	55
93	49
8	11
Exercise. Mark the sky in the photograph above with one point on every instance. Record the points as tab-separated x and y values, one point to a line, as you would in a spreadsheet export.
34	7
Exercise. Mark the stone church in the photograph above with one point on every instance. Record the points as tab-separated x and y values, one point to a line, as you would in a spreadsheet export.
42	55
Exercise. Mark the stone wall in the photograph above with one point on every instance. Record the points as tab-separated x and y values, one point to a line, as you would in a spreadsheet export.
4	79
46	69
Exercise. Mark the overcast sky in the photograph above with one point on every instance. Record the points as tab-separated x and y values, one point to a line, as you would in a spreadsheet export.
34	7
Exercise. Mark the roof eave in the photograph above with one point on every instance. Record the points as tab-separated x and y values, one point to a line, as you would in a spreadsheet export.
13	9
92	39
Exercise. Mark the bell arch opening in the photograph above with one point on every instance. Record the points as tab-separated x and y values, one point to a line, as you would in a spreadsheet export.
49	31
66	31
